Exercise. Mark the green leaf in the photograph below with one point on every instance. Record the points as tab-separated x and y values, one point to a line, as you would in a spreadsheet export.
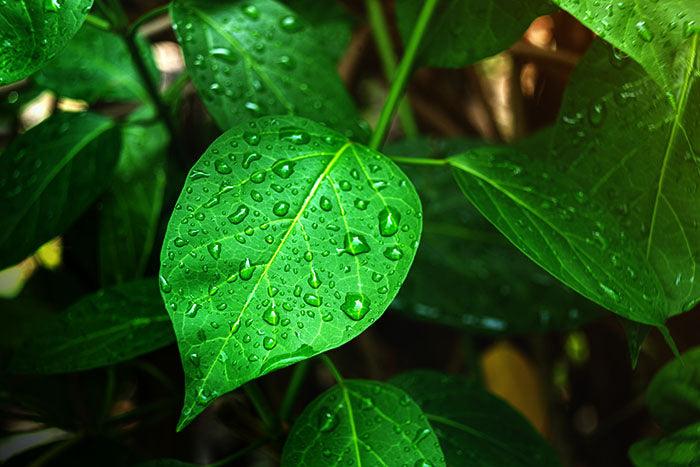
49	176
636	335
651	32
463	32
104	328
606	200
96	65
287	240
131	207
500	289
331	24
680	449
362	423
33	31
257	58
474	427
673	395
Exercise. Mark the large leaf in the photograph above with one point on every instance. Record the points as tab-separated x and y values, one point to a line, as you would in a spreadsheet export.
49	176
33	31
107	327
462	32
673	396
331	24
131	207
256	58
651	32
607	199
500	289
287	240
474	427
96	65
679	449
362	423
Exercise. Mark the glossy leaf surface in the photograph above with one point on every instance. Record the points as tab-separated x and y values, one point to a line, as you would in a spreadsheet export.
679	449
463	32
96	65
362	423
466	274
606	199
651	32
104	328
474	427
49	176
131	207
256	58
331	24
288	240
673	396
33	31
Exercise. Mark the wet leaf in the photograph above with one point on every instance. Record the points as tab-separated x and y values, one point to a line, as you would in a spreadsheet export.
331	24
287	240
473	426
33	31
49	176
257	58
362	423
104	328
606	199
679	449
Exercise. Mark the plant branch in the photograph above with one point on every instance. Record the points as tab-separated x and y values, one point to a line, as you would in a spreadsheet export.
380	31
257	398
145	18
333	369
419	160
402	74
300	371
97	22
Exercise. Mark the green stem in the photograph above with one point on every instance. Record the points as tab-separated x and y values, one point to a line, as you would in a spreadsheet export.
333	369
380	31
300	371
402	74
419	161
154	13
257	398
97	22
172	94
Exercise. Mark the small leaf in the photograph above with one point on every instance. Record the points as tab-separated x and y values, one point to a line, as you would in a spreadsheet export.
474	427
606	199
362	423
652	33
275	251
679	449
33	31
131	207
49	176
257	58
96	65
463	32
104	328
500	290
673	395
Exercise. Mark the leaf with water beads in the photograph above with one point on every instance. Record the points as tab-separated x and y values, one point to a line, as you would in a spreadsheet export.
362	423
268	271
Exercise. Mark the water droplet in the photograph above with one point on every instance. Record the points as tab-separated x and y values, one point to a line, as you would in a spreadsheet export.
224	54
290	23
393	253
179	242
389	220
271	317
596	113
294	135
253	139
251	11
269	343
51	6
325	204
327	421
280	209
246	269
643	31
356	306
249	159
354	244
214	250
164	285
192	310
312	299
360	204
313	280
283	168
610	292
239	214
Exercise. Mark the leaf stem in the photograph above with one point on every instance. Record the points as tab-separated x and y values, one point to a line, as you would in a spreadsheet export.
97	22
333	369
402	74
257	398
380	31
298	376
146	17
419	161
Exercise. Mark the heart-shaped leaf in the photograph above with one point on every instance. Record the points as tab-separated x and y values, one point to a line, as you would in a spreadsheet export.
474	427
462	32
96	65
287	240
104	328
606	200
49	176
652	32
362	423
33	31
255	58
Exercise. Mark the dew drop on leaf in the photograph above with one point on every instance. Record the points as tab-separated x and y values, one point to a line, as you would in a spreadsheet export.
246	269
393	253
354	244
389	220
356	306
239	214
327	421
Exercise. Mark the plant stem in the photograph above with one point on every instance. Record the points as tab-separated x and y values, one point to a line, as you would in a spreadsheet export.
97	22
257	398
133	29
402	74
293	388
380	31
333	369
419	161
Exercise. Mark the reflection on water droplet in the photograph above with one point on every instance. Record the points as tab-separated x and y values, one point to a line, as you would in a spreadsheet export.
246	269
283	168
356	306
290	23
389	220
312	299
280	209
325	204
393	253
294	135
269	343
643	31
192	310
327	421
239	214
164	285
